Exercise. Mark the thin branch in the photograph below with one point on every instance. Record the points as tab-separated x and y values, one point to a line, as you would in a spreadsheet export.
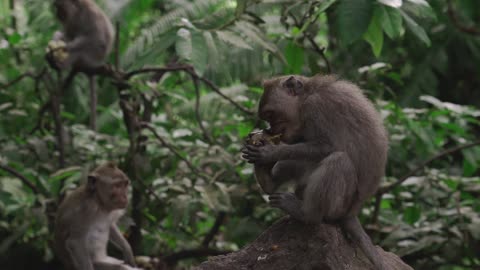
190	70
55	97
214	230
169	147
130	74
425	163
217	90
206	135
117	45
376	209
27	74
320	51
22	178
456	22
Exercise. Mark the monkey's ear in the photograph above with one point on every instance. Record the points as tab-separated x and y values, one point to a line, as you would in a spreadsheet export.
92	179
294	86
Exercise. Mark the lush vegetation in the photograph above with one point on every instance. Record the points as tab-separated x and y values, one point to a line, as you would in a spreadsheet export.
179	139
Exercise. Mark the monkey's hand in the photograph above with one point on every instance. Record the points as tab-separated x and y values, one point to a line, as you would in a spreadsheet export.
265	154
289	203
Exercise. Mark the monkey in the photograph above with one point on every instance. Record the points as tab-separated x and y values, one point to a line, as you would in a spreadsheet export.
84	44
334	145
86	221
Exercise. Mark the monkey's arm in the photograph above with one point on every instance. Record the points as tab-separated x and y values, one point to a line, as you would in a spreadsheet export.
117	238
300	151
78	251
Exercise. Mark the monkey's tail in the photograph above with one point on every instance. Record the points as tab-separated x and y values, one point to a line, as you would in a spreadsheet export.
353	227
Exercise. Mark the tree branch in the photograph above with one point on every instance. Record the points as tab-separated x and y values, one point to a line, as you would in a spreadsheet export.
22	178
214	230
169	147
456	22
27	74
425	163
206	135
320	51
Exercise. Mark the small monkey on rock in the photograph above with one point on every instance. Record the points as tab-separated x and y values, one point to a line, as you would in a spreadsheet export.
86	221
333	144
83	45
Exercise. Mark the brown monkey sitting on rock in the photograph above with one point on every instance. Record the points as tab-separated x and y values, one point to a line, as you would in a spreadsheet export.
86	222
334	145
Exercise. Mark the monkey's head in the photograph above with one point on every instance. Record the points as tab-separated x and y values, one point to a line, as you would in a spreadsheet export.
280	106
65	9
109	185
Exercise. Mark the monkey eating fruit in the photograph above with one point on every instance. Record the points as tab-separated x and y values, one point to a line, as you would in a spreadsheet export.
86	222
333	145
58	51
86	41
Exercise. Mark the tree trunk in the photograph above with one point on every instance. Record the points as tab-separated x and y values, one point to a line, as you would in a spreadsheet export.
289	244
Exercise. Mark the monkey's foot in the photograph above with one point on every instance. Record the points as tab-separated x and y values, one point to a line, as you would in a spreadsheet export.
289	203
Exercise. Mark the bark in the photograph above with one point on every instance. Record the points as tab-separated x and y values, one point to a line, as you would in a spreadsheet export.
289	244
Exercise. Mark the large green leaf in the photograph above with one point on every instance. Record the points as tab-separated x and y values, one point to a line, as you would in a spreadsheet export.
374	34
294	56
391	21
353	19
416	29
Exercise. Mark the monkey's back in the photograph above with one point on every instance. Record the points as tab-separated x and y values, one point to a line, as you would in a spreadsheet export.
339	111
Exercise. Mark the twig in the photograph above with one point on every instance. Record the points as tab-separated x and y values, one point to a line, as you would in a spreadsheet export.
425	163
27	74
117	45
320	51
169	147
190	70
22	178
214	230
55	102
130	74
456	22
206	135
217	90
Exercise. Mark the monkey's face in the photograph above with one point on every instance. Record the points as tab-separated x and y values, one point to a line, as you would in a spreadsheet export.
110	185
280	107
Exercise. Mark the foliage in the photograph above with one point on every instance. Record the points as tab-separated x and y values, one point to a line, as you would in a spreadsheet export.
187	174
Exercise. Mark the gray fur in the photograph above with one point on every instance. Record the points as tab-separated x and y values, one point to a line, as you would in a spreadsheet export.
335	148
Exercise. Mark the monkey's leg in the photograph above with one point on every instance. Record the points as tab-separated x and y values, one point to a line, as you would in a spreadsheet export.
330	189
93	103
354	229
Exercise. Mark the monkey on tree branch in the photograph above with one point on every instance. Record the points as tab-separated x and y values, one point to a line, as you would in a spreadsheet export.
332	143
83	45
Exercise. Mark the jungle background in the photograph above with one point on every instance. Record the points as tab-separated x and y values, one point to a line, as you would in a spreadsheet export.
176	124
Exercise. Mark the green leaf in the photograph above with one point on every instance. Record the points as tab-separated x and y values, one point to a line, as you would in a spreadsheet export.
416	29
183	46
14	38
411	214
353	19
391	3
294	56
233	39
374	34
391	21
